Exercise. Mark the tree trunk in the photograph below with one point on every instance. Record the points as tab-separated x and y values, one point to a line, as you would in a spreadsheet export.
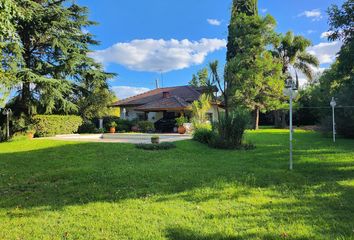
25	99
256	118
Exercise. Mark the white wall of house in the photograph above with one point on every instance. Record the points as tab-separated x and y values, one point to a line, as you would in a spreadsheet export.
214	111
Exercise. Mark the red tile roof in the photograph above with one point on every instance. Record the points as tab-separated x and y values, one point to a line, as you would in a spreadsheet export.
187	94
167	103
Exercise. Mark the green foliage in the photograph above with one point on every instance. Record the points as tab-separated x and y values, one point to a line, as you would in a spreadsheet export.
291	50
31	128
338	80
51	125
240	8
253	76
113	124
201	79
203	135
87	127
51	55
156	147
248	7
181	120
146	126
231	129
124	125
199	110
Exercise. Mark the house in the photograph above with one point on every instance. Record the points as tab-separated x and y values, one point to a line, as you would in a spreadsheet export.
164	104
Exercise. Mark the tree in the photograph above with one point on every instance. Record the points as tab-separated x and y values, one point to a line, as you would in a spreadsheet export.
239	7
338	80
201	79
291	51
54	64
341	28
9	46
252	75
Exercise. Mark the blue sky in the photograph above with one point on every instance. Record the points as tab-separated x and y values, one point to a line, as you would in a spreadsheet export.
141	38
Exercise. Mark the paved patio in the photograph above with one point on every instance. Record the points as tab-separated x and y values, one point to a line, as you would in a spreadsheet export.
122	137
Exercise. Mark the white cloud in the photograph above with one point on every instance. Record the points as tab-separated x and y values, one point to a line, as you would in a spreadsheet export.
214	22
314	14
310	31
123	92
303	79
325	52
159	55
264	10
326	34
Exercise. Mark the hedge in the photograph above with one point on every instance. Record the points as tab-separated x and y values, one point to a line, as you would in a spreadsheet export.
51	125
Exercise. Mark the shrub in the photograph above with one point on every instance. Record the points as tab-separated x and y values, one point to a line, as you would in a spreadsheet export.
113	124
230	129
345	122
145	126
87	127
100	130
181	120
203	135
124	125
155	147
108	120
51	125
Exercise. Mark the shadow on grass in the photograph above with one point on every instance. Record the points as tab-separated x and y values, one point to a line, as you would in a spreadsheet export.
76	174
186	234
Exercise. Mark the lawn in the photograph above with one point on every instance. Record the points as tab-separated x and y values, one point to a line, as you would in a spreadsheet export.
69	190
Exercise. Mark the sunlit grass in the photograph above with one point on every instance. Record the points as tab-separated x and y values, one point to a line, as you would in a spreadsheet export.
70	190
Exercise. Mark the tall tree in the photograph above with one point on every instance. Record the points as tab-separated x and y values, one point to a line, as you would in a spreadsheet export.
252	76
341	20
54	58
239	7
291	51
9	46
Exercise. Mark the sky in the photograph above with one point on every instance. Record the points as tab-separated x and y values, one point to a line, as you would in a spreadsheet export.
170	40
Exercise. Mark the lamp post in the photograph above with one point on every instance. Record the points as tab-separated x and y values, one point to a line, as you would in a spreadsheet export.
333	105
124	113
7	112
290	85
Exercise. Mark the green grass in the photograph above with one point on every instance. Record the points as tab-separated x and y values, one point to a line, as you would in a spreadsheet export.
70	190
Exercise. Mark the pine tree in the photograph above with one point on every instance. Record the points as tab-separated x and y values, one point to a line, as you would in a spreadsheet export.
55	68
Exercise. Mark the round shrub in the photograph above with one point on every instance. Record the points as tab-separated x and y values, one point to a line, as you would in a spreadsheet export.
203	135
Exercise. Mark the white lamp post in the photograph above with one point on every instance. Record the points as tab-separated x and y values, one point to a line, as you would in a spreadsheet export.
124	112
333	105
290	85
7	112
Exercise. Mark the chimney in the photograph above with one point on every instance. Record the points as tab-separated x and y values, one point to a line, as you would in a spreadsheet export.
166	94
157	83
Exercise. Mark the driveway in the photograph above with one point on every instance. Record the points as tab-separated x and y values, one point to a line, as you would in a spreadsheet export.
122	137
